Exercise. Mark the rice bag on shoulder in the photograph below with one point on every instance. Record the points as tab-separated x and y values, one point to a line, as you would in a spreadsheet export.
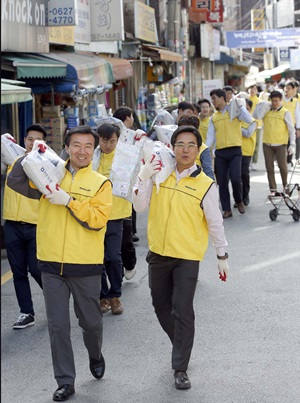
10	150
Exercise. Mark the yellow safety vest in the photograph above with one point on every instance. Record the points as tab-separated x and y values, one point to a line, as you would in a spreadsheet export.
228	133
275	128
248	145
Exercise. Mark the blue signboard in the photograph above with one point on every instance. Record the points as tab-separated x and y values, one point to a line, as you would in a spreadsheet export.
269	38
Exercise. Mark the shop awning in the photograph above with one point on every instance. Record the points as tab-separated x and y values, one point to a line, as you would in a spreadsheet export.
33	66
273	72
11	94
161	53
121	68
83	71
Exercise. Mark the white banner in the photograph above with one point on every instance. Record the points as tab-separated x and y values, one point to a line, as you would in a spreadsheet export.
106	23
209	85
82	31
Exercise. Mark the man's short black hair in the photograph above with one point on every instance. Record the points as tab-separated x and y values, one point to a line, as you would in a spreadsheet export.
106	130
228	88
37	128
186	129
122	113
185	105
204	101
189	121
219	93
85	129
291	84
276	94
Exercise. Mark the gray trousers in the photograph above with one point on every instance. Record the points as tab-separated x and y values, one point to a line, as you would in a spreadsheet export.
280	152
173	283
85	291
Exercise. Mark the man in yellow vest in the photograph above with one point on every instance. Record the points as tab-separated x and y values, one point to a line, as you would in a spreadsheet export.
121	209
226	134
278	130
182	214
253	96
291	104
248	147
204	116
70	250
297	97
21	215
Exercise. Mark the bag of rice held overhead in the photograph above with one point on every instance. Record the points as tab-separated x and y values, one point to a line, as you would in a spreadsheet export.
43	166
163	117
162	153
96	158
109	119
261	109
233	109
164	133
10	150
125	169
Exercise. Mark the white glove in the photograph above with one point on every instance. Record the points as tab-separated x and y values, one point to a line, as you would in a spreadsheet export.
223	269
39	144
291	150
58	195
139	134
150	168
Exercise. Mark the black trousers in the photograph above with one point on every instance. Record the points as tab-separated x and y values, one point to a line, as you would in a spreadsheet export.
228	162
128	248
173	283
246	176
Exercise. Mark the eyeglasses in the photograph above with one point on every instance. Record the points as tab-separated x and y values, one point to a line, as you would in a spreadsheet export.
189	146
108	142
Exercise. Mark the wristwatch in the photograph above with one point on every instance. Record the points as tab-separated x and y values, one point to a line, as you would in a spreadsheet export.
223	257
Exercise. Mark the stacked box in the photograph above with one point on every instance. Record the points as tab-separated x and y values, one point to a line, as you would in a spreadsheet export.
55	128
93	108
51	111
72	121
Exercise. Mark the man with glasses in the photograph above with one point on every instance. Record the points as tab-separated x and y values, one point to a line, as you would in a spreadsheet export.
182	214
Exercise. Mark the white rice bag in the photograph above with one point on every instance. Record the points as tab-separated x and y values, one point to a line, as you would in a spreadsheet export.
125	169
261	109
233	108
162	153
163	117
96	158
164	133
10	150
109	119
3	168
43	166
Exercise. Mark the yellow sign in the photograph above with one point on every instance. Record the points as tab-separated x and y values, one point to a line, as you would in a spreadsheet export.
258	23
144	22
61	35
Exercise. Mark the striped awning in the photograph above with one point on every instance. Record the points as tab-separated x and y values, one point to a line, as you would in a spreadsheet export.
34	66
84	71
121	68
11	94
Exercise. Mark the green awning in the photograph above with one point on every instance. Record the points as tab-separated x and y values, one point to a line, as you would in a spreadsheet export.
11	94
32	66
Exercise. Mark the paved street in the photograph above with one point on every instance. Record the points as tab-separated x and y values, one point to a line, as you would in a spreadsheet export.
247	344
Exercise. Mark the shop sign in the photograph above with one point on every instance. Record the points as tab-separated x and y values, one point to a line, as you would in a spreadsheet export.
216	14
61	35
284	54
268	38
295	59
144	22
207	41
258	23
106	23
61	13
23	26
82	31
209	85
202	5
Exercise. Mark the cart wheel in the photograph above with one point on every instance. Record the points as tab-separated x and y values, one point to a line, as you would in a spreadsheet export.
273	214
296	215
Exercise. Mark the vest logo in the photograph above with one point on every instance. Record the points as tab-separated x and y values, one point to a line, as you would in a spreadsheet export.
188	187
88	190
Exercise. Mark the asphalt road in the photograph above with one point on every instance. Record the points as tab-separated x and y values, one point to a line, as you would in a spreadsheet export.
247	344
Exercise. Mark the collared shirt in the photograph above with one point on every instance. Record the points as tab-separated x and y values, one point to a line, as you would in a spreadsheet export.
244	116
210	204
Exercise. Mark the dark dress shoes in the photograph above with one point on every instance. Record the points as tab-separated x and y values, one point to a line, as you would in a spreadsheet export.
97	368
227	214
181	380
63	393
